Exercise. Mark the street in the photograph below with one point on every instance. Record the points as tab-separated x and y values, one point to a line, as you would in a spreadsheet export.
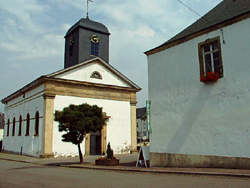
25	175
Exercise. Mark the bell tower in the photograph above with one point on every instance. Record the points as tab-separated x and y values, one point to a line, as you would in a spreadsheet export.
85	40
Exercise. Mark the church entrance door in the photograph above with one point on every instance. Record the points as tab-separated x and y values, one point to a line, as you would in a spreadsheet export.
95	143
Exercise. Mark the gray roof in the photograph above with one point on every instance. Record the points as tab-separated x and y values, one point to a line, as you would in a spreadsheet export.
141	113
90	25
224	11
51	76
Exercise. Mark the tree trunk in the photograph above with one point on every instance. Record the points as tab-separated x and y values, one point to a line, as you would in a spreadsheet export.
80	153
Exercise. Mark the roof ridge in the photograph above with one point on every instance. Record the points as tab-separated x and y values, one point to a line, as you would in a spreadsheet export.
222	12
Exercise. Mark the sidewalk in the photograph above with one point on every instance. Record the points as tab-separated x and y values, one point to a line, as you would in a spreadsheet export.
127	164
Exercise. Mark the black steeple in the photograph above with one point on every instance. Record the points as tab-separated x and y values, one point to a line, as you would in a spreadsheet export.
85	40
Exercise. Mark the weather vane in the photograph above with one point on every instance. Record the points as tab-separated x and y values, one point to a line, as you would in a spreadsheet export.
88	7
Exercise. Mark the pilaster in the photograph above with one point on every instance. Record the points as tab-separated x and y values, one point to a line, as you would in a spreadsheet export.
48	125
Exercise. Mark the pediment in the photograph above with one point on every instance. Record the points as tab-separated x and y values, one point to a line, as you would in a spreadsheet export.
95	71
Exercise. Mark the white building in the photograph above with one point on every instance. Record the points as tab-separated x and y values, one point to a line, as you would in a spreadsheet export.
196	120
86	78
30	127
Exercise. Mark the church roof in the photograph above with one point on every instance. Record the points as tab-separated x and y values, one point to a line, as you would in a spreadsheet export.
52	77
86	23
226	11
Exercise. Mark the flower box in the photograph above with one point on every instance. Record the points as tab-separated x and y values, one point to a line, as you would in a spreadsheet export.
210	77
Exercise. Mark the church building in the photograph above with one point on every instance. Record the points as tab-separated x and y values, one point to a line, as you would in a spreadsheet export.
87	77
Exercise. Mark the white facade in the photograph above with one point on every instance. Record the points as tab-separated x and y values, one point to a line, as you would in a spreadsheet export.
30	103
80	74
46	97
190	117
118	125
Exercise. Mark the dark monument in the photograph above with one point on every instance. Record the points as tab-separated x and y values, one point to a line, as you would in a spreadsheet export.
109	160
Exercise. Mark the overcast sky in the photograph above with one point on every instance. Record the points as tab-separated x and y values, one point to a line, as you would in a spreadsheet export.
32	35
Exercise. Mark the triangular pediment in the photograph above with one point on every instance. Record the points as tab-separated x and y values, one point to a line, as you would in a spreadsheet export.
95	71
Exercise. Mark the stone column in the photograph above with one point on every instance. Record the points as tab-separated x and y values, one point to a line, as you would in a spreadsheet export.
48	125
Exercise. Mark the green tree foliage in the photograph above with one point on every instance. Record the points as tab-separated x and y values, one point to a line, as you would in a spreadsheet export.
77	121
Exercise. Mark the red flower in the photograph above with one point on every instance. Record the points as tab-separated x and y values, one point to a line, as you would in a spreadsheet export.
210	77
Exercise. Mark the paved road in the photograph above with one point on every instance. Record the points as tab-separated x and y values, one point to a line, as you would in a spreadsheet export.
25	175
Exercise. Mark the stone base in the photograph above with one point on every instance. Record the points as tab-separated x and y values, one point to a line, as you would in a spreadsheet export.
47	156
107	162
198	161
28	155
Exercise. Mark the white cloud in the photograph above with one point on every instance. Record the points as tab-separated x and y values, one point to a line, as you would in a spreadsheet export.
45	46
32	30
24	12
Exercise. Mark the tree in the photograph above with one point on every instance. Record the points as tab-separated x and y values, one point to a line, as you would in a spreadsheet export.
77	121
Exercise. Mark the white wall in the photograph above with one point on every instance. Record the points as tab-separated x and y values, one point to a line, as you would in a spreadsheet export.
33	102
190	117
83	73
118	126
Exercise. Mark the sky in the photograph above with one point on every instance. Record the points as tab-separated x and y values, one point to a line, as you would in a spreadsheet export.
32	35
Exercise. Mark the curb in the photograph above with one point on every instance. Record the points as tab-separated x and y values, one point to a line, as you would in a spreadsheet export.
15	160
160	171
141	170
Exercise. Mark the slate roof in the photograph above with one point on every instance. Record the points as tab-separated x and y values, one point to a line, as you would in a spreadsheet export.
47	77
86	23
141	113
224	11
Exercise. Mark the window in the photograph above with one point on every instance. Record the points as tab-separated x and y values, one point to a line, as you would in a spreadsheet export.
37	124
27	125
94	49
14	127
20	126
210	58
96	75
71	50
94	42
8	128
71	46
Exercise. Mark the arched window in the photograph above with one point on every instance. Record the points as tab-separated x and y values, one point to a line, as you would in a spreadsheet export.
96	75
37	124
71	46
8	127
14	127
27	125
94	42
94	49
20	126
